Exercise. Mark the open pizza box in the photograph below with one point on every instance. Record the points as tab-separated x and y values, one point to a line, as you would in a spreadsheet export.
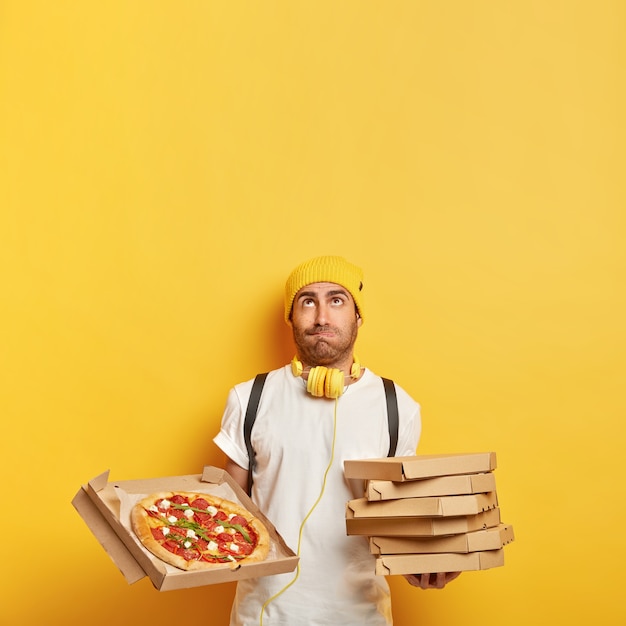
105	507
402	468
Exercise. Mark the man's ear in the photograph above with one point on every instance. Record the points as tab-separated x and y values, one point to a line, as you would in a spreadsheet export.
359	321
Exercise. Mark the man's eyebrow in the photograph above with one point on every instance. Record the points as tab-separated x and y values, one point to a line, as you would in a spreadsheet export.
332	292
306	294
337	292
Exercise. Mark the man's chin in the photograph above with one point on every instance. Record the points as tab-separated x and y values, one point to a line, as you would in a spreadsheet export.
320	354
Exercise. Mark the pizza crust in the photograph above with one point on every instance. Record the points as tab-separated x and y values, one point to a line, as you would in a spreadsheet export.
143	523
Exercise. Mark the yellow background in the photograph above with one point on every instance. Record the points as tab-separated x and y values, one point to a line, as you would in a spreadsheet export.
163	165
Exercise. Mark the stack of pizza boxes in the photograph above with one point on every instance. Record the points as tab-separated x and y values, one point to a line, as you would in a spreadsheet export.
429	513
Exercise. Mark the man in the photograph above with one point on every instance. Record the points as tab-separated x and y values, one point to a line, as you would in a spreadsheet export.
309	421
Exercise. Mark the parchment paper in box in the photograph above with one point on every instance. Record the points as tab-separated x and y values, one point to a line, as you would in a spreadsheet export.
113	502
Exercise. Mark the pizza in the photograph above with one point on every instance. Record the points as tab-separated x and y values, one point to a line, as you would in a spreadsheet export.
198	531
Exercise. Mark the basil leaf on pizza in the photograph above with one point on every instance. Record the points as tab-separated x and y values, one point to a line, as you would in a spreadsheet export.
196	531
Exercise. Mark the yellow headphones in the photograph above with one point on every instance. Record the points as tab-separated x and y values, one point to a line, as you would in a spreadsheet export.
325	381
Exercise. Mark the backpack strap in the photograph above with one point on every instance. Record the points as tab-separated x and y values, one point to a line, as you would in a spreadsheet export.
392	414
253	405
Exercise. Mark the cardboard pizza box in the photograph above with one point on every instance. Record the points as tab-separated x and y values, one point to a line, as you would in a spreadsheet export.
401	468
463	484
433	563
419	526
105	507
477	541
444	506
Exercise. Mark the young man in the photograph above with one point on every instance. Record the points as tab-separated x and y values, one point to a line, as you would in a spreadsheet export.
309	421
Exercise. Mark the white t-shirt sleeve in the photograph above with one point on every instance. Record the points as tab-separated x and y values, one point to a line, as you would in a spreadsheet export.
230	438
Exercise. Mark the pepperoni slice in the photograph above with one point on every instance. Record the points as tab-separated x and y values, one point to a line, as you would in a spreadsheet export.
177	513
157	533
188	554
170	545
200	503
177	533
245	548
224	547
204	519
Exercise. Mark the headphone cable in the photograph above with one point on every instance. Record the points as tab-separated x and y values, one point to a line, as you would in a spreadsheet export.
330	463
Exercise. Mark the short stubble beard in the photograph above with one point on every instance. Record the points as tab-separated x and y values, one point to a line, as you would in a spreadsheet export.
314	350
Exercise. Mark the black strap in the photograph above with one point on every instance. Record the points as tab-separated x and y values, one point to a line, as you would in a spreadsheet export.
253	404
392	414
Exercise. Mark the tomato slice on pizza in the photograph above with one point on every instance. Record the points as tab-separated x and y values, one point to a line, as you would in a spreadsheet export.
195	531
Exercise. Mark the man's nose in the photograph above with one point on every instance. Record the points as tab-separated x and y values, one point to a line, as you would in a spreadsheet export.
321	315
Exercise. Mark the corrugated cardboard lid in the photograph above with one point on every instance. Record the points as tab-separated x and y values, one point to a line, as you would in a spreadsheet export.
433	563
422	466
461	484
444	506
420	526
476	541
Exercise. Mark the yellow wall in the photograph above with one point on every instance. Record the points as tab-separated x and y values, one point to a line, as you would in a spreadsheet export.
163	165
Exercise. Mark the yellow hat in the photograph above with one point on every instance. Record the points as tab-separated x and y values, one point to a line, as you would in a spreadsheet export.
325	269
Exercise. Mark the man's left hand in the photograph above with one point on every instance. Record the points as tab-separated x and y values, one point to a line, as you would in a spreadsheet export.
431	581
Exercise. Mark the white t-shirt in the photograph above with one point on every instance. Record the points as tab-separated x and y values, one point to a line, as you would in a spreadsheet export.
293	440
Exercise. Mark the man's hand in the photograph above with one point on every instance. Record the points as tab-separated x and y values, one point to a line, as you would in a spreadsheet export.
431	581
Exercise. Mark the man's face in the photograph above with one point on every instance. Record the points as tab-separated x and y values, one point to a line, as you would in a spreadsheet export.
325	324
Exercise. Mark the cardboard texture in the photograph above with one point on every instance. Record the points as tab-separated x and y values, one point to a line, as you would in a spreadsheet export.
434	563
445	506
429	514
399	469
462	484
105	507
420	526
477	541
